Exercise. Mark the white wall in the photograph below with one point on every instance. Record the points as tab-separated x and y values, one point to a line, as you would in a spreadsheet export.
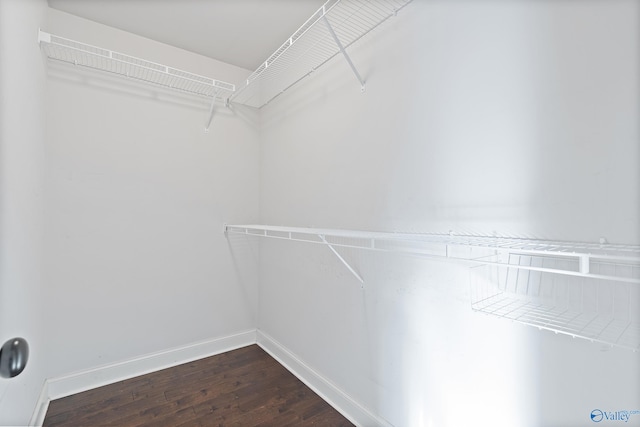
514	117
136	197
113	204
22	88
519	118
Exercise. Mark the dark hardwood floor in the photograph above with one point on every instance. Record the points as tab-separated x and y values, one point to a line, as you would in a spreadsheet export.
244	387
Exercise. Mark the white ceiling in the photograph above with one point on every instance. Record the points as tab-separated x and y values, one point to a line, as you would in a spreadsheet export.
238	32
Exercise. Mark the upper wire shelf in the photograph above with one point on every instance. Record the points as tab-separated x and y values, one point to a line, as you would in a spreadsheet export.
579	259
74	52
335	26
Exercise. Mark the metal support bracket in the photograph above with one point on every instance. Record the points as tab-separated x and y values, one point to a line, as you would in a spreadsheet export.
344	52
583	263
342	260
211	111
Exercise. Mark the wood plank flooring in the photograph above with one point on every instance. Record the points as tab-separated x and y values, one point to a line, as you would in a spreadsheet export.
244	387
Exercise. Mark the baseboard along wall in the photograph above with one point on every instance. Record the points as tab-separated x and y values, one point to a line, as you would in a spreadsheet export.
66	385
77	382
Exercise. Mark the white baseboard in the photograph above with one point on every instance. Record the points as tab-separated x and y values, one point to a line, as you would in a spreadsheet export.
55	388
342	402
37	419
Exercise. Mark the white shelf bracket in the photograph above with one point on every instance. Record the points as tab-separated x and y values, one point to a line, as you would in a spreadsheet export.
584	264
211	111
342	260
43	37
344	52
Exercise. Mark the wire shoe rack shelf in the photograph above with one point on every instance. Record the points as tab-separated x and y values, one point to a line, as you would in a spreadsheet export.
585	290
602	307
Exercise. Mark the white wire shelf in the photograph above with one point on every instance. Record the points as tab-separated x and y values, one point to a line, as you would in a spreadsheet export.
591	326
593	260
596	309
74	52
335	26
585	290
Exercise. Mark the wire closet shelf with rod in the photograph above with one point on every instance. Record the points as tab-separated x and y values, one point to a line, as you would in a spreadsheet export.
584	290
328	33
81	54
